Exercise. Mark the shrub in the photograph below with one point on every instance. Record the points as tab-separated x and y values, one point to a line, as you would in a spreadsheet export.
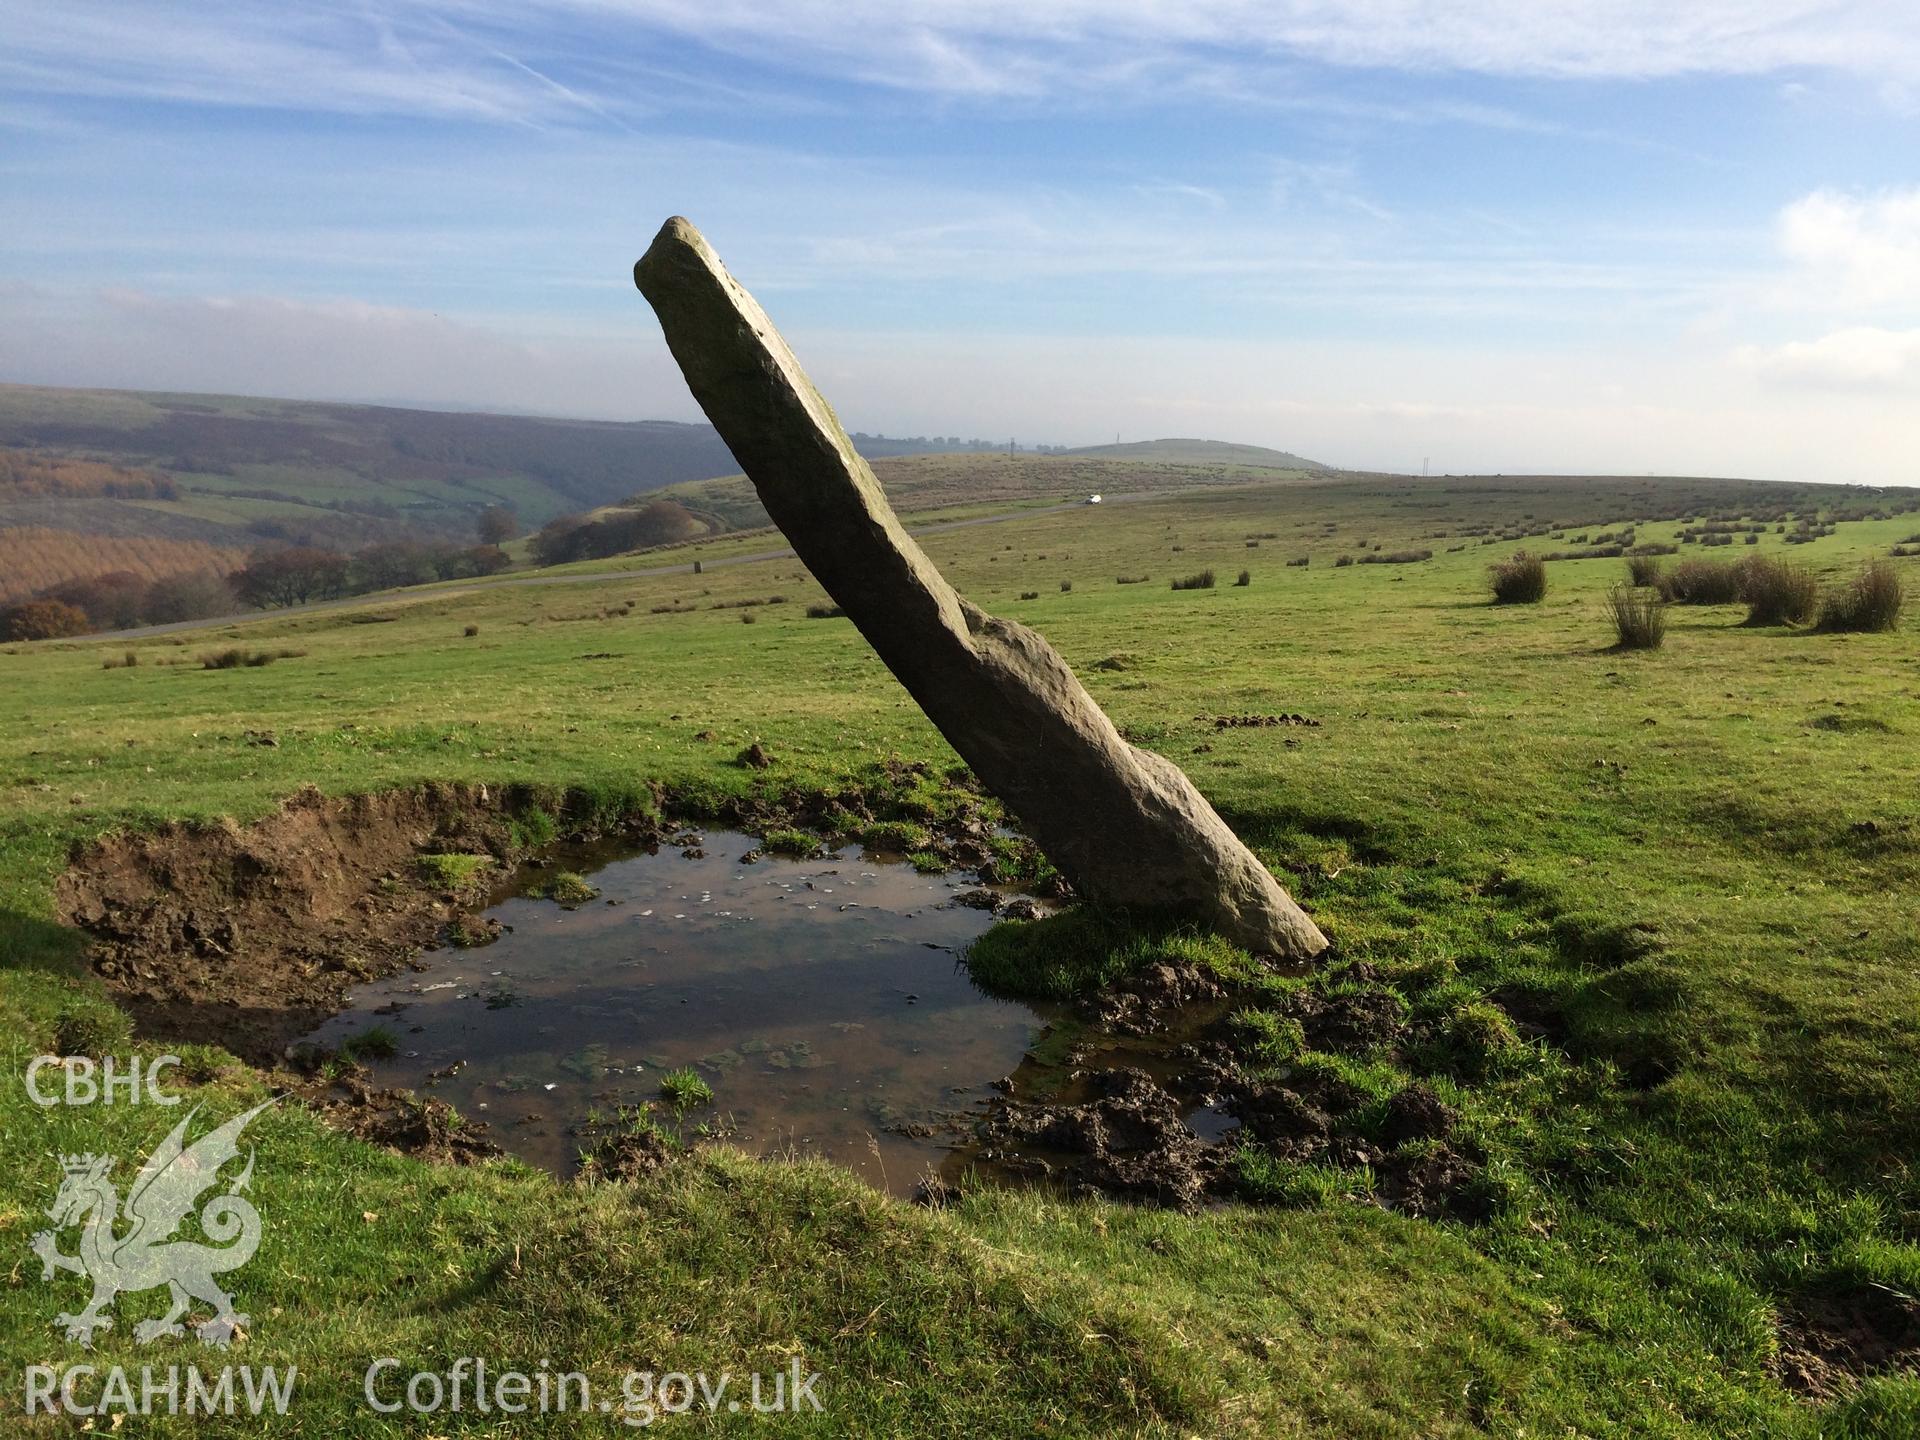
1519	581
1245	577
1643	570
1639	618
1870	601
1700	582
1203	580
1778	593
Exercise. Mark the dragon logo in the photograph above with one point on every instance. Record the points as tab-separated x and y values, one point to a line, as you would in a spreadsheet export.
146	1255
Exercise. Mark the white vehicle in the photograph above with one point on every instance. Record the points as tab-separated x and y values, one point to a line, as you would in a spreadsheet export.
1093	499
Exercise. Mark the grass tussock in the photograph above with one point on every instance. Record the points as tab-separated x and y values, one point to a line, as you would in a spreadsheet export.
1701	582
1200	580
237	658
1868	603
1639	617
1777	592
1396	557
1521	580
1643	569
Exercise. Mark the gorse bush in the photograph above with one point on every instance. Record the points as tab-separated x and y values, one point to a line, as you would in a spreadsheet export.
1871	601
1639	617
1700	582
1777	593
1521	580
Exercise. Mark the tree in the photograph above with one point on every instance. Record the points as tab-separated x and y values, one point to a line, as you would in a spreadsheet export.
44	620
497	525
397	562
194	595
113	601
292	576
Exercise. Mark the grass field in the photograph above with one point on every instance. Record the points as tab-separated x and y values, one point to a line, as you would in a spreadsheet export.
1673	888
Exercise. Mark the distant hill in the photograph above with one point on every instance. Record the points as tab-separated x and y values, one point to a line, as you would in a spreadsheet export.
244	470
1201	452
932	482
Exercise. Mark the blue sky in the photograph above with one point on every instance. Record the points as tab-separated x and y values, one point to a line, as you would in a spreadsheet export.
1561	235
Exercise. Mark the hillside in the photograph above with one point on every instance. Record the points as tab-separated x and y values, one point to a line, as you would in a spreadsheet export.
246	469
1200	452
933	482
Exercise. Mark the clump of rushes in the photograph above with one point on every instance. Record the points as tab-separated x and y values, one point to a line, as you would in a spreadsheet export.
1870	602
684	1089
1639	618
1521	580
1778	593
1643	569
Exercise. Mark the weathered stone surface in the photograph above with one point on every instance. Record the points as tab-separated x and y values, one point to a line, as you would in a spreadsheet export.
1124	825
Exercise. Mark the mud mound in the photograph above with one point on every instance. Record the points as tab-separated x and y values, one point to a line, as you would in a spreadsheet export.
248	936
1128	1138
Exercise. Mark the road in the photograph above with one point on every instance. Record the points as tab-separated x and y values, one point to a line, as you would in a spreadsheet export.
596	577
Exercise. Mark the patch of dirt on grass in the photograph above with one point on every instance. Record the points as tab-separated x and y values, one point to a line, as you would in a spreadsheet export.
1148	1001
1829	1339
398	1119
248	936
1128	1137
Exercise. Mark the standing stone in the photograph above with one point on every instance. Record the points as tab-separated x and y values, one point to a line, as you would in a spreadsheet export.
1124	825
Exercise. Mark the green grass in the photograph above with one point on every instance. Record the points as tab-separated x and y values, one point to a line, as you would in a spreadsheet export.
1650	912
453	872
684	1089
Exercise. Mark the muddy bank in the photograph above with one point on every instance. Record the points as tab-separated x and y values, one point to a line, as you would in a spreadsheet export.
246	936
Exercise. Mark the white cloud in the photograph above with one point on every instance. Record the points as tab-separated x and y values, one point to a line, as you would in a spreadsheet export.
1864	249
1862	357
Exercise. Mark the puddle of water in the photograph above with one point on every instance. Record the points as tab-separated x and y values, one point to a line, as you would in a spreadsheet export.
822	1000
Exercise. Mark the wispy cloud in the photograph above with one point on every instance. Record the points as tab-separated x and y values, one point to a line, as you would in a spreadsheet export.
529	60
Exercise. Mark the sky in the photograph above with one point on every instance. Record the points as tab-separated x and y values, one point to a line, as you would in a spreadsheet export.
1666	236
